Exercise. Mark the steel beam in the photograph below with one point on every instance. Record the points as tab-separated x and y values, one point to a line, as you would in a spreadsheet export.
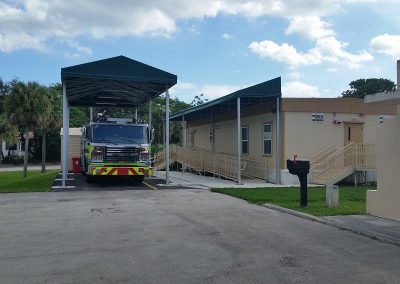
167	136
239	144
65	136
278	143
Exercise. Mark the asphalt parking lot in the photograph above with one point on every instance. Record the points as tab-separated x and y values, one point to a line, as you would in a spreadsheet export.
77	182
176	236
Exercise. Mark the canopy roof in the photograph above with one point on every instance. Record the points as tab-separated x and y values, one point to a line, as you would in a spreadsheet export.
252	95
117	81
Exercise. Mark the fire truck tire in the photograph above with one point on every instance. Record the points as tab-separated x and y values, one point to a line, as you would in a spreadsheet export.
83	168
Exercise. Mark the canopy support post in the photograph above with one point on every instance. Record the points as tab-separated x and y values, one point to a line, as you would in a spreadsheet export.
91	114
167	136
135	114
239	146
65	136
183	140
278	143
149	124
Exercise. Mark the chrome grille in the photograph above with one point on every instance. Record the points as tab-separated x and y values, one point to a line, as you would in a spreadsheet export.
121	154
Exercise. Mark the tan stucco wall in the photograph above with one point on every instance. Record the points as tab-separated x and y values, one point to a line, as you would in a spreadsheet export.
305	138
74	146
226	135
385	202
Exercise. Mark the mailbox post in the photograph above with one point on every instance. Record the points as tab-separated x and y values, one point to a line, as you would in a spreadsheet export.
301	168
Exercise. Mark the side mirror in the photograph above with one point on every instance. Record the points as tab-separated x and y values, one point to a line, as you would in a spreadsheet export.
152	132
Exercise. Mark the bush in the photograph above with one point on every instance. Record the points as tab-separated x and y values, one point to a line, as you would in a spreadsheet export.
13	160
156	148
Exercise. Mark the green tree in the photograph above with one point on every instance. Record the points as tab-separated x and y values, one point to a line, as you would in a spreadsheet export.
8	133
49	117
362	87
198	100
78	116
24	105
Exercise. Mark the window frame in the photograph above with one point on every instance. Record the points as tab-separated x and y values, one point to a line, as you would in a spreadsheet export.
241	139
271	139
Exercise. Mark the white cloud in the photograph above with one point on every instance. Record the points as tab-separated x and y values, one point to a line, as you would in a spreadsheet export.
216	91
227	36
31	24
331	70
294	75
387	44
187	91
327	48
284	53
297	89
309	26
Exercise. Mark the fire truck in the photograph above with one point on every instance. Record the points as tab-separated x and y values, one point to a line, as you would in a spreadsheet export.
116	147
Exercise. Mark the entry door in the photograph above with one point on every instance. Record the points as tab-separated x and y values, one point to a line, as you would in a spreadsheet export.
353	132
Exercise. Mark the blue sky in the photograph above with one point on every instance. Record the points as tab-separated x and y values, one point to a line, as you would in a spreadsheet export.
215	47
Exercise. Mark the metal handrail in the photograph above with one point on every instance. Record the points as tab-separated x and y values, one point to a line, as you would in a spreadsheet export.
219	164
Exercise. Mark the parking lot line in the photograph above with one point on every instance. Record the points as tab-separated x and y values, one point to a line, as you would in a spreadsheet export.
150	186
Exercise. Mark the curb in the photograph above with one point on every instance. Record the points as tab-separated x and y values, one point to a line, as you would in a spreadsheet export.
334	224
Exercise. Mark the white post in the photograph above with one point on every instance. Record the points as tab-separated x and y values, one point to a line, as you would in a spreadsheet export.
136	115
149	123
150	114
277	143
167	136
239	144
91	114
183	140
65	136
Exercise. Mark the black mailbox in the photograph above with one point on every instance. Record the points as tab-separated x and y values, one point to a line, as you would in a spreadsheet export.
301	168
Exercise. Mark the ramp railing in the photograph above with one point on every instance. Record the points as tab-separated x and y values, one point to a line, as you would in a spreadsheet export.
222	165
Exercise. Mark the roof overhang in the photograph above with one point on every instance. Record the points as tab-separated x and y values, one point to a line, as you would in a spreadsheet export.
387	98
256	94
114	82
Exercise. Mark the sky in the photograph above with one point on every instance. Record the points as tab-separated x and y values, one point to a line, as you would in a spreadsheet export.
214	47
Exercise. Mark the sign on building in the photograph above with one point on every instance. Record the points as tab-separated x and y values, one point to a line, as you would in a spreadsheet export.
317	116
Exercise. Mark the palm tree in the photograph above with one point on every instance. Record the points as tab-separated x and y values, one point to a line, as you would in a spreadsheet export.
8	133
25	104
49	117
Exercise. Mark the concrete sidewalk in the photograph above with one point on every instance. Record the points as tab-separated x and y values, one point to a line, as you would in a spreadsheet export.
382	229
36	167
196	181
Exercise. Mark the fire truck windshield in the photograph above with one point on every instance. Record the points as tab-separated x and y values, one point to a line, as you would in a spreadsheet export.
119	134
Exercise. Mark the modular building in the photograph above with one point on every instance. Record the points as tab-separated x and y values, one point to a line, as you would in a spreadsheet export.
338	135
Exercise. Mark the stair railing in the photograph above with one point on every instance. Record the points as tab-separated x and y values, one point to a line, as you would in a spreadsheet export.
343	158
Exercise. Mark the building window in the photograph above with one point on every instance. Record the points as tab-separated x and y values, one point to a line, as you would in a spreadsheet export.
211	136
267	139
245	139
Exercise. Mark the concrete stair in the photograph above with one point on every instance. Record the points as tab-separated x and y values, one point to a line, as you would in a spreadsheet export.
333	175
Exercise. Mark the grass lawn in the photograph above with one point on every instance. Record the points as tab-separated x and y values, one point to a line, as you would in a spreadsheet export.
352	199
14	182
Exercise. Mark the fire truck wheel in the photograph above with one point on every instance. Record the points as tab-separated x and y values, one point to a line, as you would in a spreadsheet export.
83	168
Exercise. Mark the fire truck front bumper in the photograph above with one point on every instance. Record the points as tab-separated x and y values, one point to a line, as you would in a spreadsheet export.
119	171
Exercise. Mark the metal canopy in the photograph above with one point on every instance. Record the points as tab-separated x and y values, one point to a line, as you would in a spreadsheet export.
114	82
263	92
